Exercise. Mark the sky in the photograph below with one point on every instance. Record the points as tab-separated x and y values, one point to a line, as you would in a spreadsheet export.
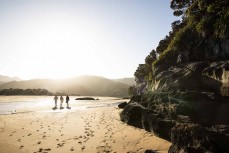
66	38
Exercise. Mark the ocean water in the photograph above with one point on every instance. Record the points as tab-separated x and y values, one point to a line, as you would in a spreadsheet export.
16	104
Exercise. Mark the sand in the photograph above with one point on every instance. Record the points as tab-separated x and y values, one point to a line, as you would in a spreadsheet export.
90	130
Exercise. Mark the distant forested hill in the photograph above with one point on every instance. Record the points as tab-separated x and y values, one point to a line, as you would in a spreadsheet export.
8	79
82	85
25	92
129	81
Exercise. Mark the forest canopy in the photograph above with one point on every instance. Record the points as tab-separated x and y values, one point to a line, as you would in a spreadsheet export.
25	92
202	33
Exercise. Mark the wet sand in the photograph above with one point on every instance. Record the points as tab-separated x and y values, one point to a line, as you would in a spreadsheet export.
89	130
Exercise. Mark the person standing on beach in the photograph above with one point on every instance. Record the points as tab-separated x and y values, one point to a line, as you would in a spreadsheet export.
67	100
55	99
61	101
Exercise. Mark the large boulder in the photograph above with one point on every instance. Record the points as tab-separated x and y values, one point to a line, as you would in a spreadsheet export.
193	138
132	114
122	105
136	115
159	126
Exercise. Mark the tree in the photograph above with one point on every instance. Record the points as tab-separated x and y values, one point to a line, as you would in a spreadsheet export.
209	17
163	44
141	72
144	71
151	58
180	7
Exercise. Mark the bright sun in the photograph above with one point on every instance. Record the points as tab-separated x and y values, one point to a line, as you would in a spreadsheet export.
60	49
47	39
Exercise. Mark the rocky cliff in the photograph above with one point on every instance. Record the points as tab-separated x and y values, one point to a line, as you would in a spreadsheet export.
187	104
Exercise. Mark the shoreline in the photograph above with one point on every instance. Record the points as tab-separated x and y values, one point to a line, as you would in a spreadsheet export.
97	129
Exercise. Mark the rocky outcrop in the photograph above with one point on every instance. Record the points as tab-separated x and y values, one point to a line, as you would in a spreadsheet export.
132	114
122	105
193	138
86	98
188	105
219	71
136	115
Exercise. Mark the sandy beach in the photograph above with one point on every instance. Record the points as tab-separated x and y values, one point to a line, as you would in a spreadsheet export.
93	128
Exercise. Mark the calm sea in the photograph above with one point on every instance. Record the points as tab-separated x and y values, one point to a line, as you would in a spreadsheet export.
15	104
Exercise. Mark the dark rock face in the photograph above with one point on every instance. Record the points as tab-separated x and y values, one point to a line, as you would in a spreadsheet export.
219	71
188	105
187	77
195	138
122	105
132	114
151	151
141	117
136	98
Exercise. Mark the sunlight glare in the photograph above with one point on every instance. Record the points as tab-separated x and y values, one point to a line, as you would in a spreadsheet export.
60	49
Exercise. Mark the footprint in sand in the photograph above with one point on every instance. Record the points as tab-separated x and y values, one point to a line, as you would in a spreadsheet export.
48	149
83	147
60	145
72	149
21	147
85	140
40	149
39	142
75	138
80	142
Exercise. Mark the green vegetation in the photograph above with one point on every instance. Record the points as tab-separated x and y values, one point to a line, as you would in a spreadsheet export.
209	16
201	34
131	91
144	71
25	92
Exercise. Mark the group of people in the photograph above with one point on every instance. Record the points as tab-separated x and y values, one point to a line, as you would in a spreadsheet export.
61	101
